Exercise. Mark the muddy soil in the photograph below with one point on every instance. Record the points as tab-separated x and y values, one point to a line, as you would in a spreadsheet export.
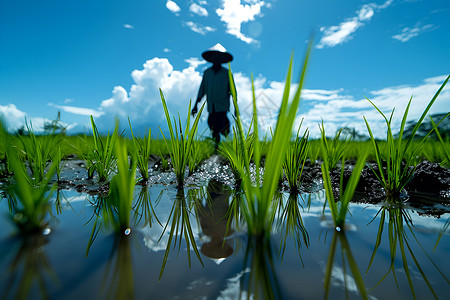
428	190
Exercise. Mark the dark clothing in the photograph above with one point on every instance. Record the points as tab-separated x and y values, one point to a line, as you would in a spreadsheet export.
216	86
219	124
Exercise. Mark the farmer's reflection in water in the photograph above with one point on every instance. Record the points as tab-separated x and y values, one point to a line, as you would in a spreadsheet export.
216	86
213	220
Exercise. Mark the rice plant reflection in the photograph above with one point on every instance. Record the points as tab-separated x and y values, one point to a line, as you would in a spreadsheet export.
143	208
259	280
118	281
30	267
290	222
347	259
397	218
179	225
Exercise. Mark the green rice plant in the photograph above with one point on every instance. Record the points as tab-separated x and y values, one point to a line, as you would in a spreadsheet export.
101	158
200	150
5	138
113	211
56	159
258	208
180	144
313	151
445	146
180	225
39	151
432	151
347	258
29	203
333	150
232	150
294	163
339	209
141	152
398	175
165	164
121	189
398	239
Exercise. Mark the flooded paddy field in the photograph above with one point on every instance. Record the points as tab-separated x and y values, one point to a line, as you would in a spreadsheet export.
192	243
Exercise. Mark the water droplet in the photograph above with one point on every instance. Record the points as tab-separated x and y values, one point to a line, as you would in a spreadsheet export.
338	229
127	231
46	231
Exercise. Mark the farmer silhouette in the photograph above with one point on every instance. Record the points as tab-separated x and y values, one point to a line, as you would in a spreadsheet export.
216	86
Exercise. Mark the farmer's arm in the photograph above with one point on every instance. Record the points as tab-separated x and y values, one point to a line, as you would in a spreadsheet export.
201	94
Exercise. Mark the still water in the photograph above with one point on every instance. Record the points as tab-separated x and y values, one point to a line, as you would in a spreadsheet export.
180	247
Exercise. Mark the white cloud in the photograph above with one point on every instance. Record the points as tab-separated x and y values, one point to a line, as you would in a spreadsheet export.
14	119
194	62
198	10
128	26
233	14
338	34
173	7
199	28
142	103
408	33
78	110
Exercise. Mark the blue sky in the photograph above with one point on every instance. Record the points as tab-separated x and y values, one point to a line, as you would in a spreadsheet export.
109	58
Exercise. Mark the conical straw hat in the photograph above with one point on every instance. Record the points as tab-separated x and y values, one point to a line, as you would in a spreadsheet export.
217	54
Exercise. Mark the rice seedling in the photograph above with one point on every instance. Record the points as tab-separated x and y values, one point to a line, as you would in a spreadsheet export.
200	150
339	210
141	152
396	165
333	150
313	151
29	203
101	158
39	151
122	189
5	169
56	159
398	239
258	208
445	146
180	144
232	150
294	163
180	224
347	258
113	211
